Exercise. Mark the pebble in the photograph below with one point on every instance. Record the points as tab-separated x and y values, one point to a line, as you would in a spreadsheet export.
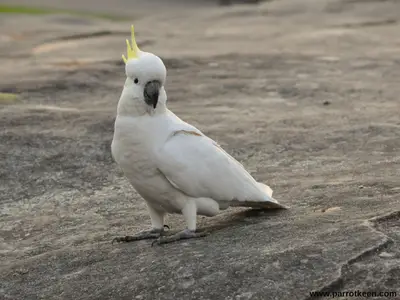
386	255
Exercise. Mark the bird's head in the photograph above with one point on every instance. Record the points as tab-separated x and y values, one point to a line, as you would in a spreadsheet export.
143	91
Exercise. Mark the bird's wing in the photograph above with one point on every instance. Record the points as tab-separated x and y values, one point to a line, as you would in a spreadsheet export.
199	167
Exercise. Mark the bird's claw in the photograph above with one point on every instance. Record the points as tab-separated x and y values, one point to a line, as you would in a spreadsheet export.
119	239
144	235
183	235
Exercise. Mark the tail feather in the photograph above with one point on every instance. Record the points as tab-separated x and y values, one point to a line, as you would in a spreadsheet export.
259	204
266	189
268	203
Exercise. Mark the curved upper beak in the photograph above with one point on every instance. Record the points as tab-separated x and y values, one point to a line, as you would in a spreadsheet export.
151	92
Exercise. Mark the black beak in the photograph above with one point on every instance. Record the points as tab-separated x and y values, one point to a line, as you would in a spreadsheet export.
151	92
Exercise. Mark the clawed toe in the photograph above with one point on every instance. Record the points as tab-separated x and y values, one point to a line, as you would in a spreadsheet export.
119	239
144	235
131	238
183	235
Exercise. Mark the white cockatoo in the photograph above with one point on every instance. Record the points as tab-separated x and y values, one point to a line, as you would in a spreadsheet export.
170	163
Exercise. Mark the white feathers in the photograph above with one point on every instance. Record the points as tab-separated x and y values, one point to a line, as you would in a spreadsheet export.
198	167
170	163
193	165
148	66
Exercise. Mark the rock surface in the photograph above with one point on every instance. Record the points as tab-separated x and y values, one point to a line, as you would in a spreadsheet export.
304	93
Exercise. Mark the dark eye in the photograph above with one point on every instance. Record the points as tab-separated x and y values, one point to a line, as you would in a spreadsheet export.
136	80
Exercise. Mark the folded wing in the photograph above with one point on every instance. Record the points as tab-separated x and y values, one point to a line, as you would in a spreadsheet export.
199	167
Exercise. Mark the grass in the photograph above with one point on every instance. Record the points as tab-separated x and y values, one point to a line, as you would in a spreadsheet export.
27	10
7	98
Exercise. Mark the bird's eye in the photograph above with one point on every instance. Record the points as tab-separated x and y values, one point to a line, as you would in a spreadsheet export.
136	80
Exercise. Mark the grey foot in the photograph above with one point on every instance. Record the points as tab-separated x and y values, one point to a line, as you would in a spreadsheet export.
143	235
183	235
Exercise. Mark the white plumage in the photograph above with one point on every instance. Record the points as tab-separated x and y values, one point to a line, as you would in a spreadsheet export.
199	167
170	163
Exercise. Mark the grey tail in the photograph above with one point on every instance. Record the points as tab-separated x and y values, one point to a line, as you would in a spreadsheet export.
258	204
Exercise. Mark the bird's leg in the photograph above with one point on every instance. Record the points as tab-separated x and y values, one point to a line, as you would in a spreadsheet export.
157	230
189	212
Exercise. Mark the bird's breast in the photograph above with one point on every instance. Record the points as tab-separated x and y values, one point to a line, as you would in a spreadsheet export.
132	148
131	154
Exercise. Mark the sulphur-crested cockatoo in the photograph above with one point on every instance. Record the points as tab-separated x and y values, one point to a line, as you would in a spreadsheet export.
170	163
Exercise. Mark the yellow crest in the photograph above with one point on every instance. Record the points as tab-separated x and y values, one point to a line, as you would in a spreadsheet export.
132	49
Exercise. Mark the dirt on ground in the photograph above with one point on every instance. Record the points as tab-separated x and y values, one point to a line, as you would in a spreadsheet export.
303	93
